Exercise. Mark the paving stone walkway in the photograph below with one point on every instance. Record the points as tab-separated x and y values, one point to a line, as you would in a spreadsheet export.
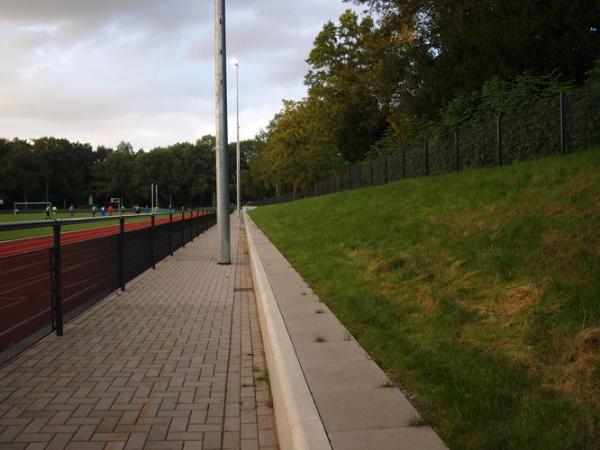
176	362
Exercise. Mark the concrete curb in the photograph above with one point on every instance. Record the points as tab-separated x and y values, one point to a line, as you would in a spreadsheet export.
299	426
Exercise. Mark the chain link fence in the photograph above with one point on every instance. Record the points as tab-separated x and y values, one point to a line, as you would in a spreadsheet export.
561	123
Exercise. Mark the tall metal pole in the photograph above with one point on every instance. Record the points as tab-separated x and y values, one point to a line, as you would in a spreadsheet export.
151	197
224	256
238	151
156	197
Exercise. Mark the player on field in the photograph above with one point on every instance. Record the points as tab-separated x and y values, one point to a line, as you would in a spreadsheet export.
48	212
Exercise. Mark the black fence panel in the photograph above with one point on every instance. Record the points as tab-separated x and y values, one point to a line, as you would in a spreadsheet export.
414	161
477	145
161	241
89	271
177	233
25	301
533	132
138	252
396	167
42	289
582	119
379	171
442	155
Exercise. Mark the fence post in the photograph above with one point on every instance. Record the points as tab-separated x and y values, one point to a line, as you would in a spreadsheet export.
183	227
456	149
499	138
359	175
562	121
171	232
370	172
349	176
426	157
403	163
57	278
121	253
385	169
152	242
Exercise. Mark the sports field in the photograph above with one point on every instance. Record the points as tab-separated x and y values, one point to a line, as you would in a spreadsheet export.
24	241
46	231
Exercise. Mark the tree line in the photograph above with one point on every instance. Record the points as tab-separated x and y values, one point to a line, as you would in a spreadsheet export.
376	81
64	172
380	80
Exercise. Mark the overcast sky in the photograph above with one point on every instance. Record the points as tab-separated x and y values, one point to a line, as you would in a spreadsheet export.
102	71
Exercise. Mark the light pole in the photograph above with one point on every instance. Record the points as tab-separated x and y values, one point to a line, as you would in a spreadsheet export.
238	164
224	256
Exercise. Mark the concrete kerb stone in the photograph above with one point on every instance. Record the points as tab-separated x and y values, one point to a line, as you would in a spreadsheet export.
299	426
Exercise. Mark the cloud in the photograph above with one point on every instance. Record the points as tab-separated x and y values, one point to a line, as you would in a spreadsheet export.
143	70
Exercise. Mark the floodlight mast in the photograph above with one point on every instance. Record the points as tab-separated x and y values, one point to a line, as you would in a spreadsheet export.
238	164
224	256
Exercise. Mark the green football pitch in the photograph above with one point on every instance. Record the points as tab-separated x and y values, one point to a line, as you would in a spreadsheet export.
45	231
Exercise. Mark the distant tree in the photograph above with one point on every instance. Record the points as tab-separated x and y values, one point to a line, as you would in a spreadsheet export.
116	173
294	155
20	172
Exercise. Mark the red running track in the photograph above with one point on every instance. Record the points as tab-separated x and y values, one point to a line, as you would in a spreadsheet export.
38	243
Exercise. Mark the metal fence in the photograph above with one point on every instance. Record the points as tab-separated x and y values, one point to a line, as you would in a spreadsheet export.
42	289
566	122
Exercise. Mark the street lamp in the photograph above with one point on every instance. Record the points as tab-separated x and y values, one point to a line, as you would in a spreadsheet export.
236	64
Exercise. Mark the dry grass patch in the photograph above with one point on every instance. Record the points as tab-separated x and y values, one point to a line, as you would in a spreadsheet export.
577	366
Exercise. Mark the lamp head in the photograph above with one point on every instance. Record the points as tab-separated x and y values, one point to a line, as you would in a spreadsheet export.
235	63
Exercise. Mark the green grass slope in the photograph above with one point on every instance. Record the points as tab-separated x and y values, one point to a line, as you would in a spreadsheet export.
479	292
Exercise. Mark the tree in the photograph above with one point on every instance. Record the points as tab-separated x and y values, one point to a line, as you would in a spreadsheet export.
117	174
339	85
436	50
294	155
20	172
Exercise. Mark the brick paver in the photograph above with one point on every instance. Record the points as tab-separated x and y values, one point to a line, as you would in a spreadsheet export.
176	362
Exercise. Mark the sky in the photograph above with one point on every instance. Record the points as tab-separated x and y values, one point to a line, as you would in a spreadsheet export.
142	71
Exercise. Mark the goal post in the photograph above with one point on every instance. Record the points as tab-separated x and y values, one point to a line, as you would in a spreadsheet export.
30	207
116	201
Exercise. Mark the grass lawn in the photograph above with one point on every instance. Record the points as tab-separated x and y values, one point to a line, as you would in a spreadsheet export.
34	232
479	292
